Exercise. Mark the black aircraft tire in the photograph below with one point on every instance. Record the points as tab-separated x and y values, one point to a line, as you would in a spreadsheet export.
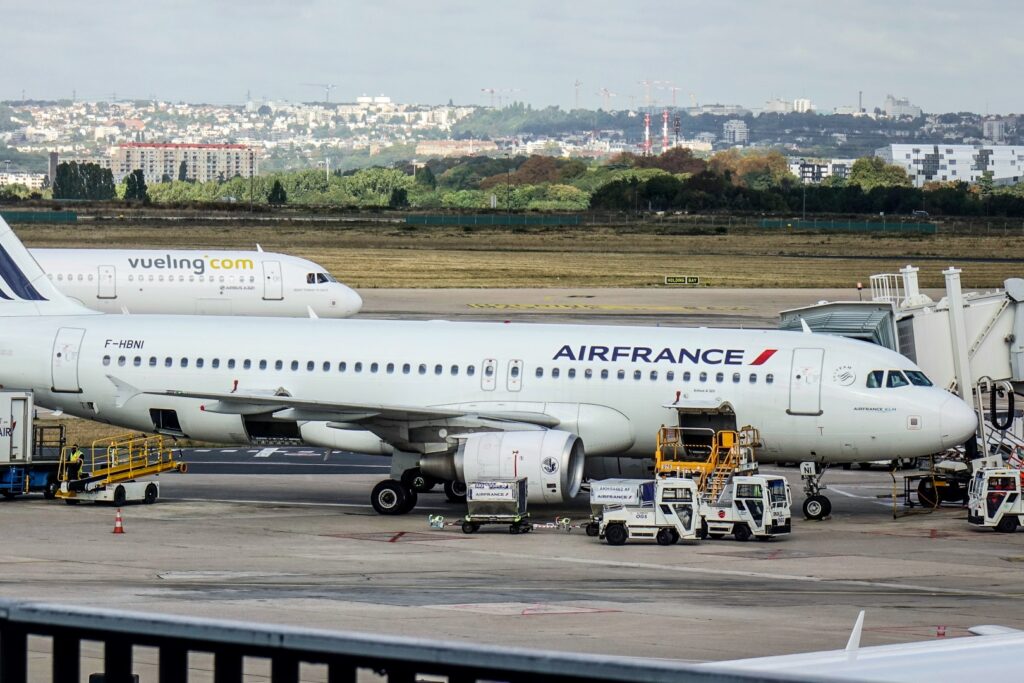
390	497
817	507
455	491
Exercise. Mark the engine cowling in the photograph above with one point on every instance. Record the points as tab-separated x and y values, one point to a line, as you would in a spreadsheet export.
551	460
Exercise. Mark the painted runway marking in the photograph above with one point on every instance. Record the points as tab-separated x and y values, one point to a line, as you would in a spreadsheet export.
293	503
285	464
396	537
520	609
752	575
400	537
265	453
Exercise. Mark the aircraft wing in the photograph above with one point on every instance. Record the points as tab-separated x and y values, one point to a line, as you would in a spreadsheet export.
288	407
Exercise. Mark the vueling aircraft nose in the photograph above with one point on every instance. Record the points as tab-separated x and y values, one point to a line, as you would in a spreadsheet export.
957	422
349	302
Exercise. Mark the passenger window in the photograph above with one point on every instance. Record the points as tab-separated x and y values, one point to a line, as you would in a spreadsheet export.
152	361
654	374
438	369
391	368
423	369
539	372
231	363
670	375
735	378
327	366
637	374
342	366
875	379
470	370
588	373
753	378
215	363
263	365
604	374
106	360
571	373
168	362
686	376
184	362
295	365
121	361
246	364
374	367
769	378
896	379
310	366
199	362
358	367
621	374
279	365
455	371
554	373
703	377
719	377
406	368
489	370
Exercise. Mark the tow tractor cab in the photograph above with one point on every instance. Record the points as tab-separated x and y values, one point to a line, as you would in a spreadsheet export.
734	499
995	499
672	517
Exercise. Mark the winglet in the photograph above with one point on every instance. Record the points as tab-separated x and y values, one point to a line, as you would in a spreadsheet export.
853	644
312	313
806	328
259	248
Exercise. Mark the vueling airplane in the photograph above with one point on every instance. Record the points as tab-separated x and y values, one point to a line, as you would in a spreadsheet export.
197	282
457	402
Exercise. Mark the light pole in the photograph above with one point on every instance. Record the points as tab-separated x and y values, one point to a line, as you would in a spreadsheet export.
508	186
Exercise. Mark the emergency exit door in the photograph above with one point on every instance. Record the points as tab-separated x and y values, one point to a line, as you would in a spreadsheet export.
805	382
107	282
273	287
64	362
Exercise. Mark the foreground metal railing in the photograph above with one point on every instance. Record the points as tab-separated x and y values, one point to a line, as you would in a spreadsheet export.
400	659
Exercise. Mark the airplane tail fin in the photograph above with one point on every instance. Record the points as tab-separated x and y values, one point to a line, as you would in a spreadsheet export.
25	290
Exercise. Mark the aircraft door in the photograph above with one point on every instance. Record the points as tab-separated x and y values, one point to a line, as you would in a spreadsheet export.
489	374
805	382
515	375
106	282
64	362
273	285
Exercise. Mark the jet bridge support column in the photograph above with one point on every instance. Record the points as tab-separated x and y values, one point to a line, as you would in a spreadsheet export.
958	342
1015	290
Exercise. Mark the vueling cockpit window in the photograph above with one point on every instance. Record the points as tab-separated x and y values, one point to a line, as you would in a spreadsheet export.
896	379
319	278
875	378
917	378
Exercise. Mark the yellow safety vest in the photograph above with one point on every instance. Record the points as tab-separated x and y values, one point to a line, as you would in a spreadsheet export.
75	456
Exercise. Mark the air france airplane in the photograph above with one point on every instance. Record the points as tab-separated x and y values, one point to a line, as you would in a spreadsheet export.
454	402
197	282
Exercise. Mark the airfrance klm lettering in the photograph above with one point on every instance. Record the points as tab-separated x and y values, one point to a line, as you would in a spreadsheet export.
646	354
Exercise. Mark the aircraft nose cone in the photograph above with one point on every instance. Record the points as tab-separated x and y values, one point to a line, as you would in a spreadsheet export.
352	303
958	422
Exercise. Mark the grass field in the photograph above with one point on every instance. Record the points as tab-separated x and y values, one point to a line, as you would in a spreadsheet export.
397	256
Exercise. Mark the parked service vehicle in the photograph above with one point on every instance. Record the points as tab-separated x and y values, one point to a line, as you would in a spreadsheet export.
612	493
497	501
28	462
674	515
750	506
995	499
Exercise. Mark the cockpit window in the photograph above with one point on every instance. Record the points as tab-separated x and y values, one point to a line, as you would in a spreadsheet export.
896	379
917	378
325	277
875	378
310	278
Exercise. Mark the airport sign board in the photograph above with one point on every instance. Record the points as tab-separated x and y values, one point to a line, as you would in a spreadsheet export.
685	280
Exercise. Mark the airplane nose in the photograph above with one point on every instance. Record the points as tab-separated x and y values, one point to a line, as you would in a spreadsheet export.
353	302
957	421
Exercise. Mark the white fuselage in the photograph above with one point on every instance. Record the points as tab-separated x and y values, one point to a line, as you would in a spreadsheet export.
189	282
610	385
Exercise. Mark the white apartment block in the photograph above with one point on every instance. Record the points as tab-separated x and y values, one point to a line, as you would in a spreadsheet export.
735	132
943	162
813	171
33	181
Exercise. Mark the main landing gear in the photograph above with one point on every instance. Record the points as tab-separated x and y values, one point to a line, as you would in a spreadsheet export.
399	494
816	506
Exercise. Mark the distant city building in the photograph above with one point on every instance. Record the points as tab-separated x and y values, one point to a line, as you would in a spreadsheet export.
942	162
777	106
33	181
900	107
735	132
203	162
802	105
454	148
694	145
718	110
994	130
813	171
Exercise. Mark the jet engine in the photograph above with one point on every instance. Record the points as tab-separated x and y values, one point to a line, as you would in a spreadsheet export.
551	460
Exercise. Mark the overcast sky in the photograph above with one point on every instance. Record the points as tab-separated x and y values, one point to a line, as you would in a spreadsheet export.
943	55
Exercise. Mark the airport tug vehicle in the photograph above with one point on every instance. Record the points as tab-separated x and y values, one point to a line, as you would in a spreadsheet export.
28	450
617	492
996	498
673	516
118	471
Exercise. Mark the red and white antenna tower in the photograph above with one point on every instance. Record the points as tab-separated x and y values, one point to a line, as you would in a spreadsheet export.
647	134
664	131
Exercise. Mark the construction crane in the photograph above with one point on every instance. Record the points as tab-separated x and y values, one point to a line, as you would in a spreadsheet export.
577	85
492	91
647	91
673	89
328	87
606	96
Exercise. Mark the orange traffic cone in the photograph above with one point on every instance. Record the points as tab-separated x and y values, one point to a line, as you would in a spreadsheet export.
118	523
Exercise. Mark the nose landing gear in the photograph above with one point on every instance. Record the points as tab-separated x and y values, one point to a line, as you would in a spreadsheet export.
816	506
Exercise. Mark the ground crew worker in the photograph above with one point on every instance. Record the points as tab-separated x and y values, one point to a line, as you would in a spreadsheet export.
75	462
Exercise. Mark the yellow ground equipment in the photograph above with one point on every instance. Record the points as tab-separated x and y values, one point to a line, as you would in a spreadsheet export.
110	470
706	456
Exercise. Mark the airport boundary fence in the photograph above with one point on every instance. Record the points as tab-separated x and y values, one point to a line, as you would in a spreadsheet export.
852	226
510	219
290	650
39	216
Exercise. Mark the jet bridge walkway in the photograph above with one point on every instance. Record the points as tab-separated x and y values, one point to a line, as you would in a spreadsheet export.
110	462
